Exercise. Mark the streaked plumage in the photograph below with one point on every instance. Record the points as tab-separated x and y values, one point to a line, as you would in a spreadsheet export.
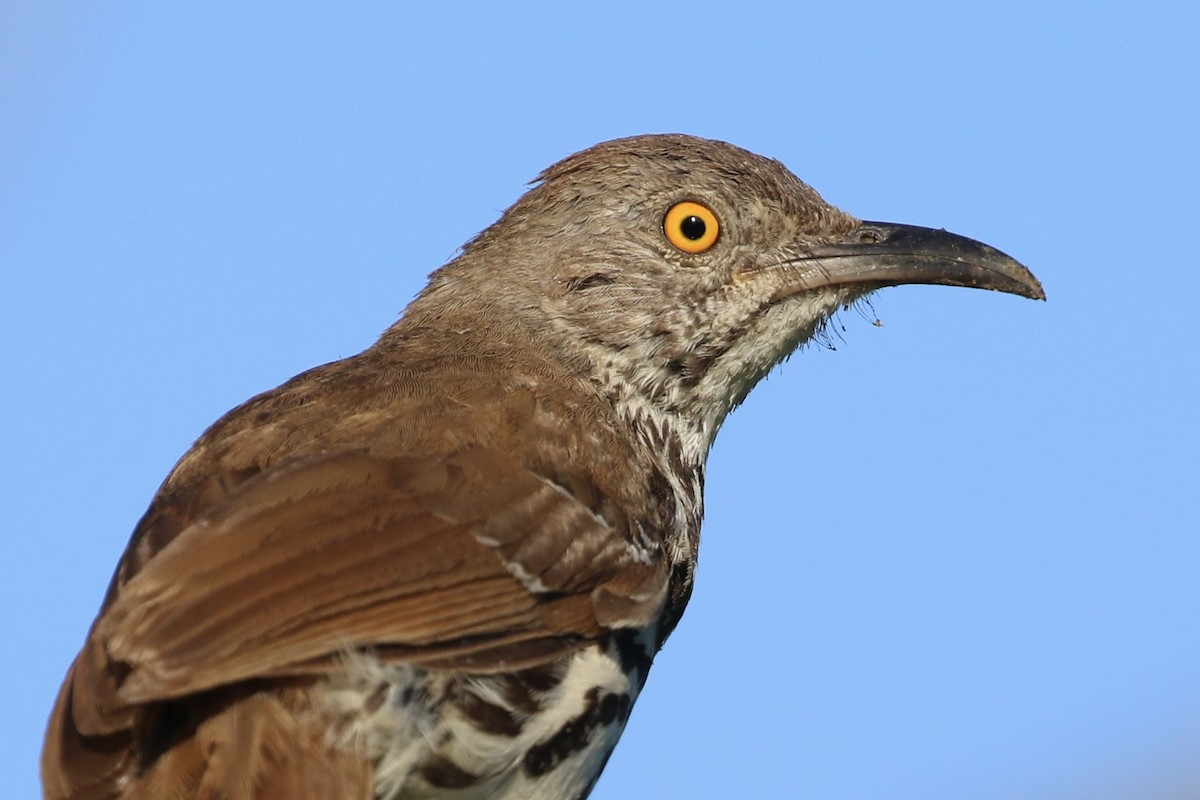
442	567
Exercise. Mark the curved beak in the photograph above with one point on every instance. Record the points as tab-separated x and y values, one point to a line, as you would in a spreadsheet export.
888	254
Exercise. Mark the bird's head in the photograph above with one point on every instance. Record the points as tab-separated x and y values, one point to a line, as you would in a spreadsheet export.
683	269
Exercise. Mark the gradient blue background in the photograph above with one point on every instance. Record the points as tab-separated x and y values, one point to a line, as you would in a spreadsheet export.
955	557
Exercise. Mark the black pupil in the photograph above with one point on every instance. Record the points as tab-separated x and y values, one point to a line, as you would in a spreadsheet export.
692	227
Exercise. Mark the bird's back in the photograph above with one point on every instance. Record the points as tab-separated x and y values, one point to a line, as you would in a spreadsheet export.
461	677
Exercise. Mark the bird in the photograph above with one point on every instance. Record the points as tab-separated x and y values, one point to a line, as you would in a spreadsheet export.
442	567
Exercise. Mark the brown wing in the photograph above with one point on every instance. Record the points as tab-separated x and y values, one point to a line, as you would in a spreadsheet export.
461	561
465	561
247	745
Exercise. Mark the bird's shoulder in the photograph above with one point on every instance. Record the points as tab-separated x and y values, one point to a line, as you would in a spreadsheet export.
424	398
445	508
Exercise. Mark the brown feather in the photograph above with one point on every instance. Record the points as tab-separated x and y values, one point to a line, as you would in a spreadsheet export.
348	551
514	471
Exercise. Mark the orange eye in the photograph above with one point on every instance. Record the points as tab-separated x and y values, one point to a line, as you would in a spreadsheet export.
691	227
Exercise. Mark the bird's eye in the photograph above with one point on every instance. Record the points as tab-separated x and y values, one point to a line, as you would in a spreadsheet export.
691	227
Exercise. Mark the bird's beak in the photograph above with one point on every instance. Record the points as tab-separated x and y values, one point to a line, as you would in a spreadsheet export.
886	254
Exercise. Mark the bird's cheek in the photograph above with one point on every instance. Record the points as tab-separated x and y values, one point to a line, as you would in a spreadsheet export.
754	285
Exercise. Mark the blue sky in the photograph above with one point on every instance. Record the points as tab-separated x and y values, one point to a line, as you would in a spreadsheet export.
954	556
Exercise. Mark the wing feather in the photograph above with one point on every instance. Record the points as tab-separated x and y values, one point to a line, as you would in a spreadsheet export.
468	558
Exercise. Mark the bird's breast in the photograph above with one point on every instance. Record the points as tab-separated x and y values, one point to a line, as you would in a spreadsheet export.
541	732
